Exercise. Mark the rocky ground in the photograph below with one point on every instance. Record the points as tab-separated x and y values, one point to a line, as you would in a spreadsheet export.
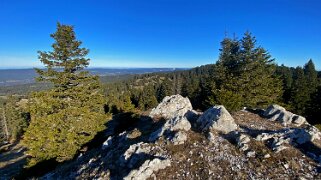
176	142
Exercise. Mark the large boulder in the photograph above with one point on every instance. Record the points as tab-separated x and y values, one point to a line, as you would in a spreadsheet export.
280	114
217	118
177	124
172	106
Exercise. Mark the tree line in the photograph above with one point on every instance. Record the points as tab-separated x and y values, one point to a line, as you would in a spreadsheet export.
244	76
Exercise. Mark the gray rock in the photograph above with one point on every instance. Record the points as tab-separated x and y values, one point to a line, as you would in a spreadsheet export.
243	147
107	143
134	153
179	123
250	154
179	138
243	139
286	166
171	106
217	118
314	132
280	114
211	137
147	169
267	156
291	136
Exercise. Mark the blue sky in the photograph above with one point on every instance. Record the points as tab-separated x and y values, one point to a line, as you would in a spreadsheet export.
160	33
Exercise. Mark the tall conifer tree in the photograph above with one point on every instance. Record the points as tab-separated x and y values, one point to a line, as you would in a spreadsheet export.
244	75
69	115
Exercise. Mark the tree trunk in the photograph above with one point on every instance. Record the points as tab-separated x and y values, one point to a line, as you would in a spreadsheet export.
5	124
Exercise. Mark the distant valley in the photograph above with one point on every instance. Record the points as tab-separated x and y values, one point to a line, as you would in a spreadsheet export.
10	77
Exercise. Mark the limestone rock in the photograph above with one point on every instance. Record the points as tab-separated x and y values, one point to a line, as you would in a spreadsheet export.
146	170
291	136
107	143
171	106
134	153
217	118
242	142
243	139
179	138
179	123
250	154
280	114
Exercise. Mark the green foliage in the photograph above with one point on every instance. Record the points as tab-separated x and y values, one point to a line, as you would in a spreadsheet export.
244	75
301	93
16	118
69	115
164	90
147	98
286	75
314	111
13	120
128	106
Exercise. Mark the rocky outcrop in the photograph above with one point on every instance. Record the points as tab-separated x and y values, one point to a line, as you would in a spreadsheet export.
151	158
280	140
174	130
217	118
134	153
188	144
148	168
171	107
280	114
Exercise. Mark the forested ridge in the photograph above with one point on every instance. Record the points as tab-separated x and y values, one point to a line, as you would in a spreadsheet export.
298	89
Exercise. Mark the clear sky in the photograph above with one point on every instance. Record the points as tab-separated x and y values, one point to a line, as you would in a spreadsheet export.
160	33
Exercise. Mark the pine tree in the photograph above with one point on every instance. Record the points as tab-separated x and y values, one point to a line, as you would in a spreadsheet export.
257	81
300	95
286	74
128	106
311	75
164	90
16	118
315	112
245	73
147	98
69	115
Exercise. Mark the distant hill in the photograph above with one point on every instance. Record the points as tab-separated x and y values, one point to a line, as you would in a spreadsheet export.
9	77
